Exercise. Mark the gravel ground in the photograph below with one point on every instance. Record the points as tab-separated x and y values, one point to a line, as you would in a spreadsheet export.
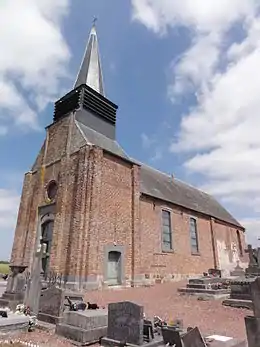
163	300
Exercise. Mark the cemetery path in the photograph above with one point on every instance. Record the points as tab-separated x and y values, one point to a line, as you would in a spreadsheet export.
164	300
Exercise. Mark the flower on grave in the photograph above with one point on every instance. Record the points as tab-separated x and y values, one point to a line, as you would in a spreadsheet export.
20	309
32	323
171	323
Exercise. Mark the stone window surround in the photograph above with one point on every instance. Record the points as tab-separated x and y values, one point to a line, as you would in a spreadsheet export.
114	248
169	210
194	218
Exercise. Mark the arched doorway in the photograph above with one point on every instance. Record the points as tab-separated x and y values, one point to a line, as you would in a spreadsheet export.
114	273
46	238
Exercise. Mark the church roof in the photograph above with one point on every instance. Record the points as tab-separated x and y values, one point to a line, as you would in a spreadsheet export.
100	140
153	183
90	71
162	186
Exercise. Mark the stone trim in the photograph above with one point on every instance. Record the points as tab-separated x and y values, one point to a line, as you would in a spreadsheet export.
119	249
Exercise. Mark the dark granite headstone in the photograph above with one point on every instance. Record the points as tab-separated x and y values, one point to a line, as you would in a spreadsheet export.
255	294
51	301
193	338
252	331
125	322
148	331
171	337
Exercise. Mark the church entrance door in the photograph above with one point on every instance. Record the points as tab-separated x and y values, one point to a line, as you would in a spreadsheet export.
47	229
114	268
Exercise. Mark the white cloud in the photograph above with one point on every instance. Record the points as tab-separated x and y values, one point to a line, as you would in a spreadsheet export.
9	202
253	230
220	134
33	59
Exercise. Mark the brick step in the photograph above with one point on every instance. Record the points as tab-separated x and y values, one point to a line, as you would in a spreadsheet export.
203	291
80	335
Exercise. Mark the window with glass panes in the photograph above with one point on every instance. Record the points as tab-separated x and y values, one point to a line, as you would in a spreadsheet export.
194	236
166	231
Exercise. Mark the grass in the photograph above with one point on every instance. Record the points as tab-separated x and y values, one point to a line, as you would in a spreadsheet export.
4	269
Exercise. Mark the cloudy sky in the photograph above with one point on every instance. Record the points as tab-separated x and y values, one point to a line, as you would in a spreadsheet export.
184	74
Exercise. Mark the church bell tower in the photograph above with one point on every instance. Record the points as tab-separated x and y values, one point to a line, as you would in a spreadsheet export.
87	99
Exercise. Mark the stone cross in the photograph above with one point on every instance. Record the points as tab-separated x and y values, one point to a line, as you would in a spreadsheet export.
35	285
250	251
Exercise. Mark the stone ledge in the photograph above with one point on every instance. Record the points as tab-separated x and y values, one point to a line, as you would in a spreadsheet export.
80	335
238	303
107	342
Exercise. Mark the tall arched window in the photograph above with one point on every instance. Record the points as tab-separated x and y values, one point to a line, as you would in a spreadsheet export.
194	236
239	243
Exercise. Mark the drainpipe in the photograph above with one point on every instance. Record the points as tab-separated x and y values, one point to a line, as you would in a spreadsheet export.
213	243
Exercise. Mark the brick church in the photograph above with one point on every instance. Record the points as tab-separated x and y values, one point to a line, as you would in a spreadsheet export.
105	218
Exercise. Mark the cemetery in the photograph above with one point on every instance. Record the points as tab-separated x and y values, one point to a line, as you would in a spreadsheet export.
35	303
151	316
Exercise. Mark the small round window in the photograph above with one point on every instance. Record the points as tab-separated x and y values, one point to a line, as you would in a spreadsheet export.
52	190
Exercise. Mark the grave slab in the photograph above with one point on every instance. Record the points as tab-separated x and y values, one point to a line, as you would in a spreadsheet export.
51	304
83	327
13	322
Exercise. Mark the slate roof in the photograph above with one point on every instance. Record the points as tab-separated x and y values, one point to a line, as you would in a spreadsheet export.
153	183
90	71
162	186
101	140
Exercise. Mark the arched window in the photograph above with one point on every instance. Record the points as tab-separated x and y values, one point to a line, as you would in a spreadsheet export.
194	236
166	231
239	243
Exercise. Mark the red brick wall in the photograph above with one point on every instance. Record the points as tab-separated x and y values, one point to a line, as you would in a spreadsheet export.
115	218
180	261
98	204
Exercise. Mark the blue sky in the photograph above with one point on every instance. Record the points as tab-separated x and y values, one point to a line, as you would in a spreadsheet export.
185	79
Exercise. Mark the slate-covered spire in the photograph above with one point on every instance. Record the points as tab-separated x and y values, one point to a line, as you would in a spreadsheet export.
90	72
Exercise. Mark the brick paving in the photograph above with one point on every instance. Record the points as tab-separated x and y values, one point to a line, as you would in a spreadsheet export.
163	300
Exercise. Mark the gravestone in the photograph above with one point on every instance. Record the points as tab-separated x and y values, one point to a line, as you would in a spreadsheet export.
171	337
125	322
126	327
52	303
15	289
207	287
84	327
193	338
254	261
35	283
238	271
253	322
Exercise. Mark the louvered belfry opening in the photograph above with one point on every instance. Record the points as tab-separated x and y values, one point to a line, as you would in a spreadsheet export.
84	97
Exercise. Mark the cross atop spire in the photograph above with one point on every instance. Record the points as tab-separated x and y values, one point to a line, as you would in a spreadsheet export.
90	71
94	21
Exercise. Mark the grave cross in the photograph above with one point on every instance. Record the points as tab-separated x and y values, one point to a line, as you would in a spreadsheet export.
252	258
35	286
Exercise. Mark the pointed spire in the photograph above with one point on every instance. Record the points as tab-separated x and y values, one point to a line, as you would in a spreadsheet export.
90	72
